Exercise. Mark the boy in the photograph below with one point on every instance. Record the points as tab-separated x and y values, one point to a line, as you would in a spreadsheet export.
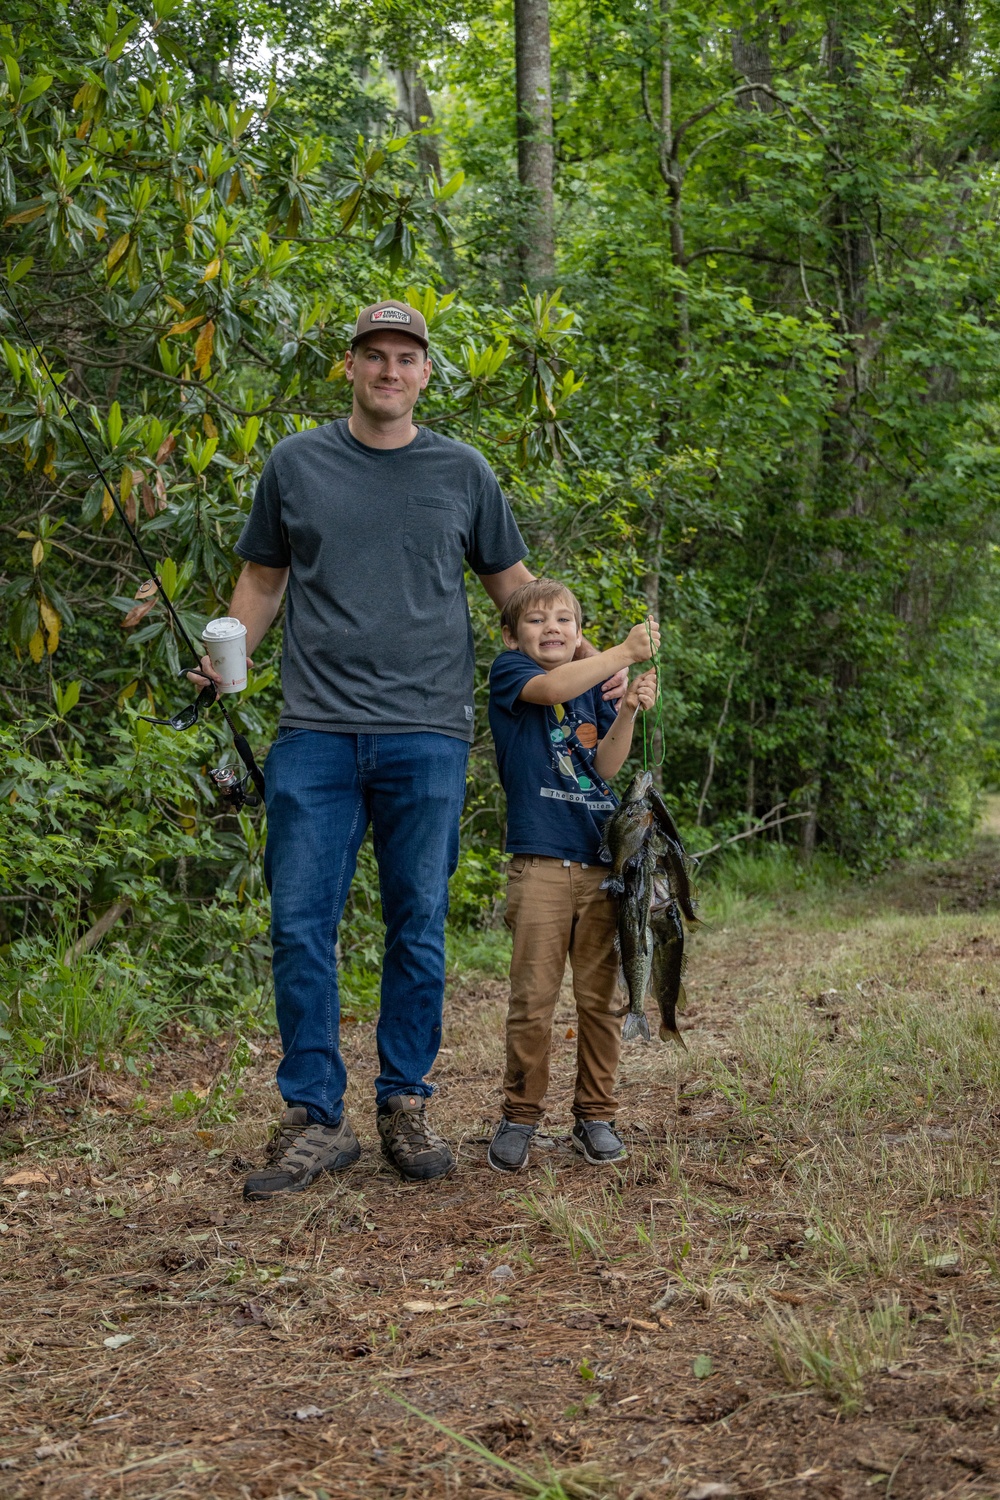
558	745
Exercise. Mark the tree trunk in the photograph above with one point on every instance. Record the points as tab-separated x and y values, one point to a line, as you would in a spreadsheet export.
752	62
535	157
414	107
672	172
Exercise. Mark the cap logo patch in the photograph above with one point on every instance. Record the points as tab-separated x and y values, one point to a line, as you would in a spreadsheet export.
390	315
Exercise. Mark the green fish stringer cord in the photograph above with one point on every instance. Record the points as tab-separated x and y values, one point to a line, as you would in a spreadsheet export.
649	758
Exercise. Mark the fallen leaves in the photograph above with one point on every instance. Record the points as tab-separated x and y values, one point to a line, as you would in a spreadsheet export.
27	1178
118	1340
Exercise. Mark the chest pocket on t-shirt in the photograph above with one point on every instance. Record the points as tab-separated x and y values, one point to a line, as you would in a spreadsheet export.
433	527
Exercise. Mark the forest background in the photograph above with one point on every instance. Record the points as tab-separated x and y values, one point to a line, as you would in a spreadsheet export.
714	288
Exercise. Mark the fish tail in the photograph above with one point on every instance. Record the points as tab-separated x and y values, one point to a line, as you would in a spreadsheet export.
671	1034
635	1025
614	885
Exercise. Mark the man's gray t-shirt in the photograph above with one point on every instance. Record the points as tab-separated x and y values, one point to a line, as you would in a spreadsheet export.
378	637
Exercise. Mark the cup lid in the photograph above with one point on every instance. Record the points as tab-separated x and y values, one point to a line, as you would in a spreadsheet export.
225	628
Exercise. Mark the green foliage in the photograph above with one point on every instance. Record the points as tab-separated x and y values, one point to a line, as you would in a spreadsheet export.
763	403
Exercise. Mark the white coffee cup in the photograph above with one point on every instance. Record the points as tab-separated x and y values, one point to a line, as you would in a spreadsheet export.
226	643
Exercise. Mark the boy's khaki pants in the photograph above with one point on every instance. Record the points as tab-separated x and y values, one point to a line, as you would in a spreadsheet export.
553	910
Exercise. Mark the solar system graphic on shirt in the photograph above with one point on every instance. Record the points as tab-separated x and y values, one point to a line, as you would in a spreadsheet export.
569	732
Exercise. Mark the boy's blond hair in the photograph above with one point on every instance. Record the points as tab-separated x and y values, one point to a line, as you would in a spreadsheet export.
528	595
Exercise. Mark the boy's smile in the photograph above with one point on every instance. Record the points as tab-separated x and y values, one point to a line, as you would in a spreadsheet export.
548	633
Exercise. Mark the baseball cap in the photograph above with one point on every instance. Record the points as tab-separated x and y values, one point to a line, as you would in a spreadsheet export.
395	316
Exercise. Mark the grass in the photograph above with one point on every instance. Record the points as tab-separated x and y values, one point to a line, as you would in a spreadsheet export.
742	884
836	1351
810	1201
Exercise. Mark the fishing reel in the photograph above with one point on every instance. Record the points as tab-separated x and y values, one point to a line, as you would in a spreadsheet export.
232	788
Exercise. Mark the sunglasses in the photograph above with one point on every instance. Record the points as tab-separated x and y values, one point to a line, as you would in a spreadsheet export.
185	717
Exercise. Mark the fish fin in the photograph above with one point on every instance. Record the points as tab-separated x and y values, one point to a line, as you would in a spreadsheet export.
662	815
668	1034
614	885
635	1024
682	1000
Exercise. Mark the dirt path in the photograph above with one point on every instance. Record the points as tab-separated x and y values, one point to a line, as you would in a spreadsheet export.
791	1287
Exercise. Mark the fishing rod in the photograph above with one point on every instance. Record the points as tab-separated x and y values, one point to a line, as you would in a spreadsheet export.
229	784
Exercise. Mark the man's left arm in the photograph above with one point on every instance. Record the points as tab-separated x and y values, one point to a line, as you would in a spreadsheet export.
500	586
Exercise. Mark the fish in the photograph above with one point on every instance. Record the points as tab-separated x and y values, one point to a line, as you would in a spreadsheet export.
635	944
649	877
672	857
667	931
627	833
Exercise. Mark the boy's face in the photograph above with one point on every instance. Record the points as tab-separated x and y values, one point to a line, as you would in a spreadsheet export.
548	633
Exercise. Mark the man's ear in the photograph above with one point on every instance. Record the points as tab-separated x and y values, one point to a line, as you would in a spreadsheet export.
349	366
427	373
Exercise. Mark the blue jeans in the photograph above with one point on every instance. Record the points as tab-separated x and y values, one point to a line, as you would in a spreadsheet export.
322	792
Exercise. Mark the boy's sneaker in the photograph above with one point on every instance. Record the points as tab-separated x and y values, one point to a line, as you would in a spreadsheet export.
597	1142
509	1147
298	1151
416	1151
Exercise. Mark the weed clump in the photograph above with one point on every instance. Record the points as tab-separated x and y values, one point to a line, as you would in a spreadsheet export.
836	1352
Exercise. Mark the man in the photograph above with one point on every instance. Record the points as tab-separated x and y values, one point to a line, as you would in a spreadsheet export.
368	522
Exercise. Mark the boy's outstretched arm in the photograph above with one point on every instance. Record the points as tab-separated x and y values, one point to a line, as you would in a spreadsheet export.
614	747
575	677
500	586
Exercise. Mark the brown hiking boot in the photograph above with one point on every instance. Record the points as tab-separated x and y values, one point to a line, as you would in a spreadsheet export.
298	1151
416	1151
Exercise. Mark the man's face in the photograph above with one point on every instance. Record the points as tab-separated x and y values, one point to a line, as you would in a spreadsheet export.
388	371
548	633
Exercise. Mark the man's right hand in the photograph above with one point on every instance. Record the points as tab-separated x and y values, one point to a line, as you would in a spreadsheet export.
209	674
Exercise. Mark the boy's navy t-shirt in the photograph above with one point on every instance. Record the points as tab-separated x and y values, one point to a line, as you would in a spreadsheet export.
556	802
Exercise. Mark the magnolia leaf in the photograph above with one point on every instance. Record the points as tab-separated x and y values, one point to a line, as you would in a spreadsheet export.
186	326
107	505
37	554
125	486
51	622
136	613
203	348
166	447
36	647
25	215
212	269
117	250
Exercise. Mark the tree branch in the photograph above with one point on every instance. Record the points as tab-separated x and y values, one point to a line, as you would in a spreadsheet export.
763	825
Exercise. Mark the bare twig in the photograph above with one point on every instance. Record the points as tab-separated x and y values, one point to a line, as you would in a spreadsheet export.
763	825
